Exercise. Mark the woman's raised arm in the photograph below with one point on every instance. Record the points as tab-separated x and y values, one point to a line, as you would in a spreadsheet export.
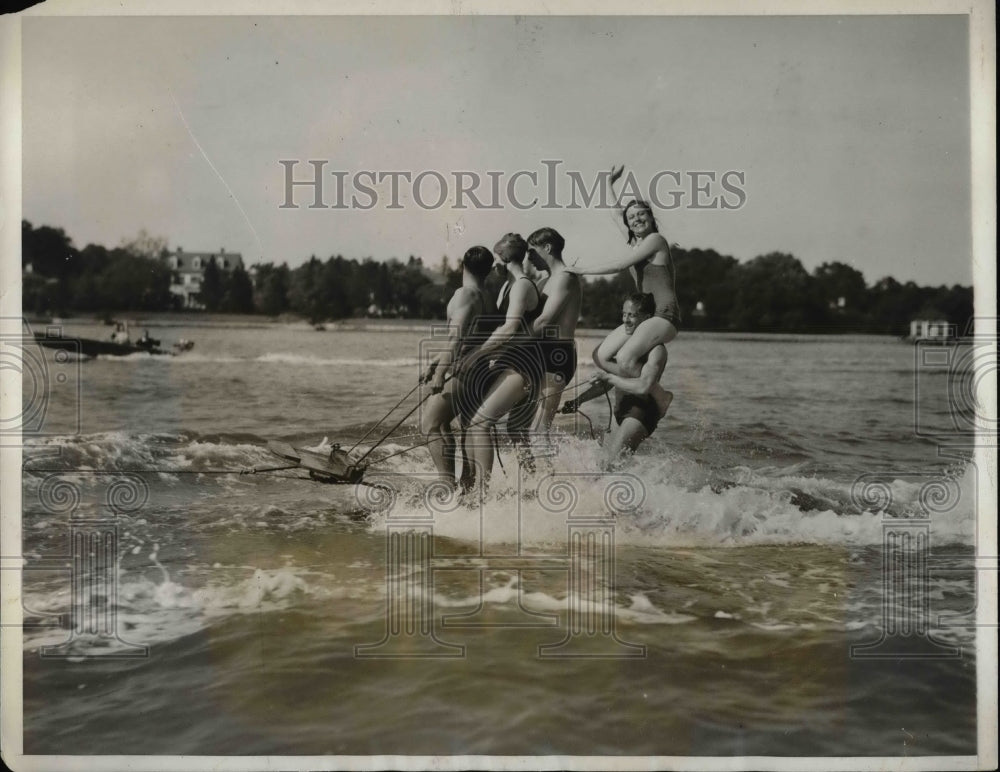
617	211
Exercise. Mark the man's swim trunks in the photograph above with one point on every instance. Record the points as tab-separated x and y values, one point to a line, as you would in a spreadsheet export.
522	353
559	357
643	408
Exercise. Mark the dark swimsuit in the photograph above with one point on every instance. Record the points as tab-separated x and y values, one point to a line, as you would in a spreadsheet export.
559	356
521	354
642	407
475	383
657	281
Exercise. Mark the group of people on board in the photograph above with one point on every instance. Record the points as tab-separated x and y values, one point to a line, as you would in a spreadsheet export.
514	356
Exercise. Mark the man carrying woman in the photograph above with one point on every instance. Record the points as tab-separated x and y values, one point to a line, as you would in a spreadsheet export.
636	410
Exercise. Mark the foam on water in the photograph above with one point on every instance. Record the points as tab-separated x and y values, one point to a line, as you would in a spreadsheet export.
667	500
157	609
675	502
138	356
508	593
104	451
153	607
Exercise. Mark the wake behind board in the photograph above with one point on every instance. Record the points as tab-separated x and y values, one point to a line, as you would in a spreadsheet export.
335	467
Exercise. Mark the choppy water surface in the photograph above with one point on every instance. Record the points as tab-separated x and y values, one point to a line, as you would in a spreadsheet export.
749	559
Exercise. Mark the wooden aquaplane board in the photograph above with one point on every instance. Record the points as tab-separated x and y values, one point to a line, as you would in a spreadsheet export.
332	468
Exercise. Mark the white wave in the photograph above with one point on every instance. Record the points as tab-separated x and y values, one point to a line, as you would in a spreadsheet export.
678	502
677	505
193	357
138	356
119	450
159	611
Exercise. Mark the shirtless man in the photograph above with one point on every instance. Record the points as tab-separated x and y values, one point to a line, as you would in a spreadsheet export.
467	311
636	411
556	324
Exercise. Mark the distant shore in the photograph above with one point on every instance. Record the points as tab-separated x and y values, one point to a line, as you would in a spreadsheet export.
177	319
235	321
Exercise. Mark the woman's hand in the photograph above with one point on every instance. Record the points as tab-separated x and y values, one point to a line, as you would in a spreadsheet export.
616	204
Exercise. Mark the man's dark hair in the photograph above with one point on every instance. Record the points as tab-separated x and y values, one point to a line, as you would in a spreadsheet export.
478	261
644	302
550	237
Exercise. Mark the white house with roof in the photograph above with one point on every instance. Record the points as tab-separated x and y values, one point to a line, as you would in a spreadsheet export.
189	272
931	330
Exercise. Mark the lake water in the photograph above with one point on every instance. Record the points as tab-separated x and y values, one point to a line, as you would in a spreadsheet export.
752	541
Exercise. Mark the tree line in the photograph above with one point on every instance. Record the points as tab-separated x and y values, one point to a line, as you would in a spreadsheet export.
770	293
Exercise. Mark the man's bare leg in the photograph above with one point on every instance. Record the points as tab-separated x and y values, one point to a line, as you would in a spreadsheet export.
435	423
627	437
505	394
553	389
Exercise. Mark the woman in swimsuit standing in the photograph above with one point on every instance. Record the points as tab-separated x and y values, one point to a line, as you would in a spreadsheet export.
652	267
507	368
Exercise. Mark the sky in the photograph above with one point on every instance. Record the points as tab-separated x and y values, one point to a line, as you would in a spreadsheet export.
851	133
